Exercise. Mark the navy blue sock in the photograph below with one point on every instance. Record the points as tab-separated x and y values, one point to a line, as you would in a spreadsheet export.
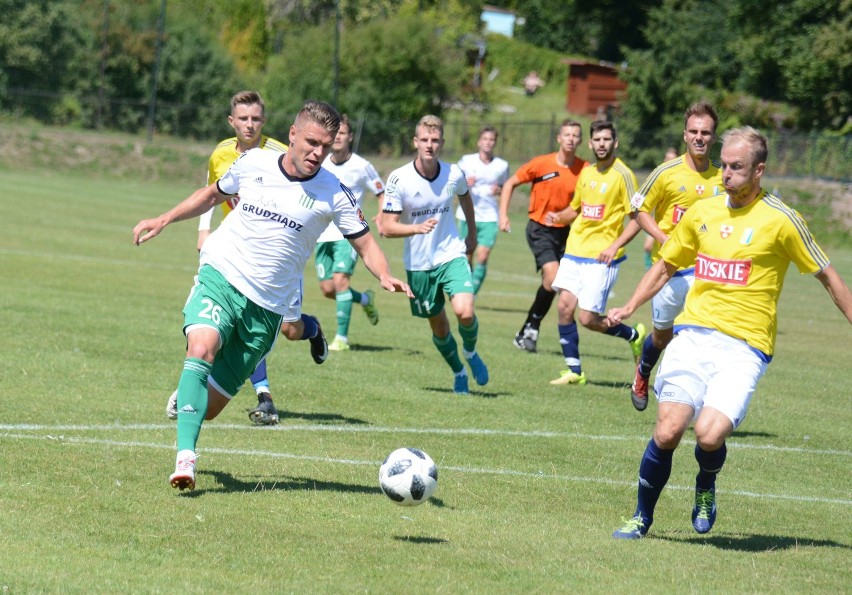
569	339
654	472
311	328
709	465
623	331
259	379
650	357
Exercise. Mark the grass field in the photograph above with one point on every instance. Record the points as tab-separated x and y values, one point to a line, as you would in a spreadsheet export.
533	478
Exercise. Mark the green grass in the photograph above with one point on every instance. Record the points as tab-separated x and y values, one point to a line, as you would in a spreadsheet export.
533	478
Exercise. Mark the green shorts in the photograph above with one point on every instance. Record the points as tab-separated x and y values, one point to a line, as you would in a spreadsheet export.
334	257
247	332
428	287
486	232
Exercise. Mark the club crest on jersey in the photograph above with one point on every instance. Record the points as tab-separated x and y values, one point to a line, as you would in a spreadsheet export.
718	270
451	190
725	231
307	201
603	187
593	184
361	216
699	189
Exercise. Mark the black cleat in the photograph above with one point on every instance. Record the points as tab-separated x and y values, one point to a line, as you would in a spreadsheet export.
319	346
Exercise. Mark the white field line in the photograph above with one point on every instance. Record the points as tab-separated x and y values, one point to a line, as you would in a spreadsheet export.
72	440
386	430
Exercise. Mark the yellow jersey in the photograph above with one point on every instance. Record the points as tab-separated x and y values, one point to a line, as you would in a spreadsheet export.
671	189
602	201
223	157
741	257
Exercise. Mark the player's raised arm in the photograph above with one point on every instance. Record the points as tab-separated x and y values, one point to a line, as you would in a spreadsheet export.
197	203
505	199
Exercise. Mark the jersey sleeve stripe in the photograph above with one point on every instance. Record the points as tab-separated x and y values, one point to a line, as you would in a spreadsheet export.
807	239
628	178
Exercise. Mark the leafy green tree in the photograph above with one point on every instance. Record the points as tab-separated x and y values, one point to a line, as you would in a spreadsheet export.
41	47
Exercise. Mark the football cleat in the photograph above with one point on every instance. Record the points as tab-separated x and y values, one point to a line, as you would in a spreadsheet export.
370	307
171	406
636	344
704	513
635	528
480	371
184	476
339	344
319	346
460	384
265	414
527	339
639	391
569	377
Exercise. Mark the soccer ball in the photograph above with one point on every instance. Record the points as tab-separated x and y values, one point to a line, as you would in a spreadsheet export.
408	476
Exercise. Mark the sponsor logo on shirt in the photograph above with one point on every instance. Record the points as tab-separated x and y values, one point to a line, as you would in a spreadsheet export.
272	216
727	272
677	214
747	235
595	212
427	212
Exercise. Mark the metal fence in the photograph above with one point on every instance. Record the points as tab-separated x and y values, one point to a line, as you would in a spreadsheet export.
816	155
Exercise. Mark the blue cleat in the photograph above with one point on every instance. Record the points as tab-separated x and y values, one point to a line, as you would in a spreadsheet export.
704	513
635	528
460	384
480	371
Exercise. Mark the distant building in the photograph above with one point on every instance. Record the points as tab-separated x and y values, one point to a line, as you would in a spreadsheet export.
594	87
499	20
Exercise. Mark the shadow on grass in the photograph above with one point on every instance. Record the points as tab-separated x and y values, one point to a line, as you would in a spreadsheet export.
380	348
420	539
755	543
227	483
741	434
480	306
482	394
320	418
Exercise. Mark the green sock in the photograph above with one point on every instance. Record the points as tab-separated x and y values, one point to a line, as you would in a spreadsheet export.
191	401
479	271
344	312
469	334
449	350
356	296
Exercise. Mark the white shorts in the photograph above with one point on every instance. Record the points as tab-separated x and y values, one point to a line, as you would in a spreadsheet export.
703	367
668	303
589	280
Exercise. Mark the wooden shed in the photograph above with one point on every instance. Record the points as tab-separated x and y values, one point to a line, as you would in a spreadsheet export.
593	87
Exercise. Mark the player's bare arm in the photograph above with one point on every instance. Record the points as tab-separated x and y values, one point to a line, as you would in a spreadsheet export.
505	199
466	204
392	227
647	223
837	289
564	217
630	231
197	203
652	282
377	263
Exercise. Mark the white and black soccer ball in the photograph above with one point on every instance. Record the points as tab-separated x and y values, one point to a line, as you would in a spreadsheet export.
408	476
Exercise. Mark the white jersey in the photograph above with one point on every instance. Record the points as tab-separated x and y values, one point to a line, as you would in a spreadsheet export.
485	202
261	248
360	176
416	199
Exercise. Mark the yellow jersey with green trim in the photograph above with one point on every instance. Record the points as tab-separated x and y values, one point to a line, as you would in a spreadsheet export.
602	201
223	157
741	257
671	189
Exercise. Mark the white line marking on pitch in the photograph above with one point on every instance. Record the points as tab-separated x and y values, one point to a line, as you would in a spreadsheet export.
385	430
506	472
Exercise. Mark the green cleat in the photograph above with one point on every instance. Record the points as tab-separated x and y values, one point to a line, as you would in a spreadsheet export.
370	307
569	377
636	344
